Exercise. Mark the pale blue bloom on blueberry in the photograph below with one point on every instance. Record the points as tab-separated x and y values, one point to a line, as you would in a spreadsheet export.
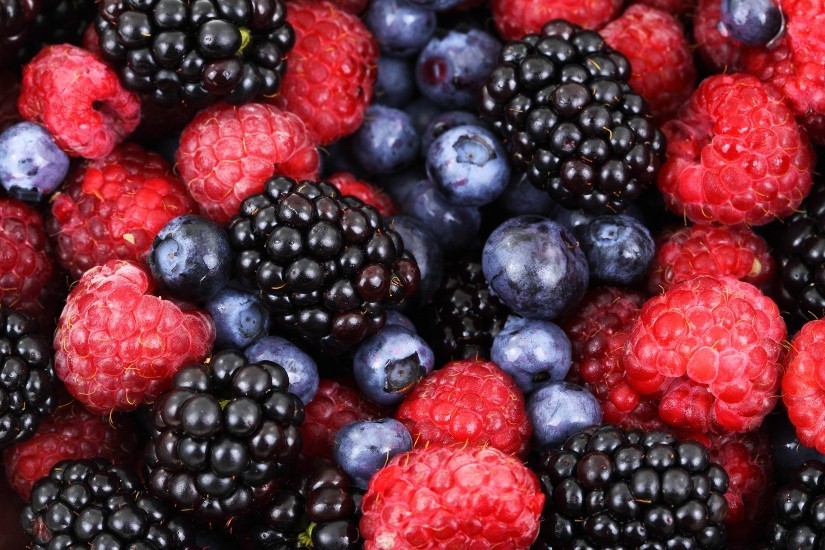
454	226
300	367
751	22
560	409
363	447
522	197
387	141
447	121
619	249
395	318
240	318
395	85
31	163
422	111
401	28
424	247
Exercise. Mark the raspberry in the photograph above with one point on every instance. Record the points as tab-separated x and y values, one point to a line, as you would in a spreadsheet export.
334	406
112	208
515	18
705	249
659	54
675	7
227	153
444	497
79	100
598	329
332	70
803	384
471	402
118	346
711	349
735	155
719	52
369	194
71	432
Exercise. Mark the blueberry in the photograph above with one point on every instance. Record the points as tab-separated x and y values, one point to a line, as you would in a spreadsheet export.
619	249
535	266
31	164
337	157
240	318
395	86
398	186
558	410
424	247
390	363
422	111
436	5
451	68
578	220
751	22
456	226
401	28
395	318
447	121
191	258
363	447
468	165
300	367
522	197
532	352
386	142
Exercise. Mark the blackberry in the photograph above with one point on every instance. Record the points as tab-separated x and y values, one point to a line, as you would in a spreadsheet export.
193	52
94	504
799	510
607	488
464	316
223	437
26	376
25	26
562	104
324	264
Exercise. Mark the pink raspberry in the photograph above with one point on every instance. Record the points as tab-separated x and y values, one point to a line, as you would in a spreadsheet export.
515	18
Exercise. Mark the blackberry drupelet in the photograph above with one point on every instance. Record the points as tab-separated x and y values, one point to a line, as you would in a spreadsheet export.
562	104
326	265
464	316
223	437
799	510
94	504
193	52
26	25
607	488
27	390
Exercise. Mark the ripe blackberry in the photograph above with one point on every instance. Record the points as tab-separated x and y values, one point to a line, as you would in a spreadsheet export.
607	488
562	104
224	435
26	26
26	376
464	316
94	504
799	510
325	264
193	52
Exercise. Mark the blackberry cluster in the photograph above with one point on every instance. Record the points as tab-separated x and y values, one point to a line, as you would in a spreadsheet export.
325	264
464	316
562	104
799	510
607	488
26	376
195	51
94	504
25	26
224	435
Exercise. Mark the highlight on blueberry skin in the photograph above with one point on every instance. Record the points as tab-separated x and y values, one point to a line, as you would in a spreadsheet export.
619	249
240	318
401	28
299	366
559	410
362	448
386	142
31	164
752	22
425	248
456	226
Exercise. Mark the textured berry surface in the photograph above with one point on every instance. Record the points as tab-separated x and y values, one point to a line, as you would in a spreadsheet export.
720	53
515	18
675	7
79	100
474	497
227	152
368	193
117	345
803	384
711	348
798	519
735	155
112	209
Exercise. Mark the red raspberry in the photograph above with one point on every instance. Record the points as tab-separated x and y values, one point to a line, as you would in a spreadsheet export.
663	69
331	70
711	349
227	153
470	401
79	99
719	52
675	7
117	346
515	18
735	155
9	92
71	432
598	329
351	6
451	497
334	406
367	192
705	249
112	208
803	384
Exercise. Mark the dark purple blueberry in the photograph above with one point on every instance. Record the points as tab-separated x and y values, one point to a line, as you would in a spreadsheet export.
522	197
436	5
395	86
578	220
362	448
31	163
240	318
447	121
398	186
300	367
401	28
399	319
422	111
456	226
619	249
557	410
424	247
387	141
751	22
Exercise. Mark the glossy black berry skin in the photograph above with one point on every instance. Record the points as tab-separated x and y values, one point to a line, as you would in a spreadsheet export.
26	376
562	104
799	510
326	265
607	488
224	435
94	504
192	52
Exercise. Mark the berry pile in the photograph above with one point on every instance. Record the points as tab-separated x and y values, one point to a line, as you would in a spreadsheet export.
379	274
